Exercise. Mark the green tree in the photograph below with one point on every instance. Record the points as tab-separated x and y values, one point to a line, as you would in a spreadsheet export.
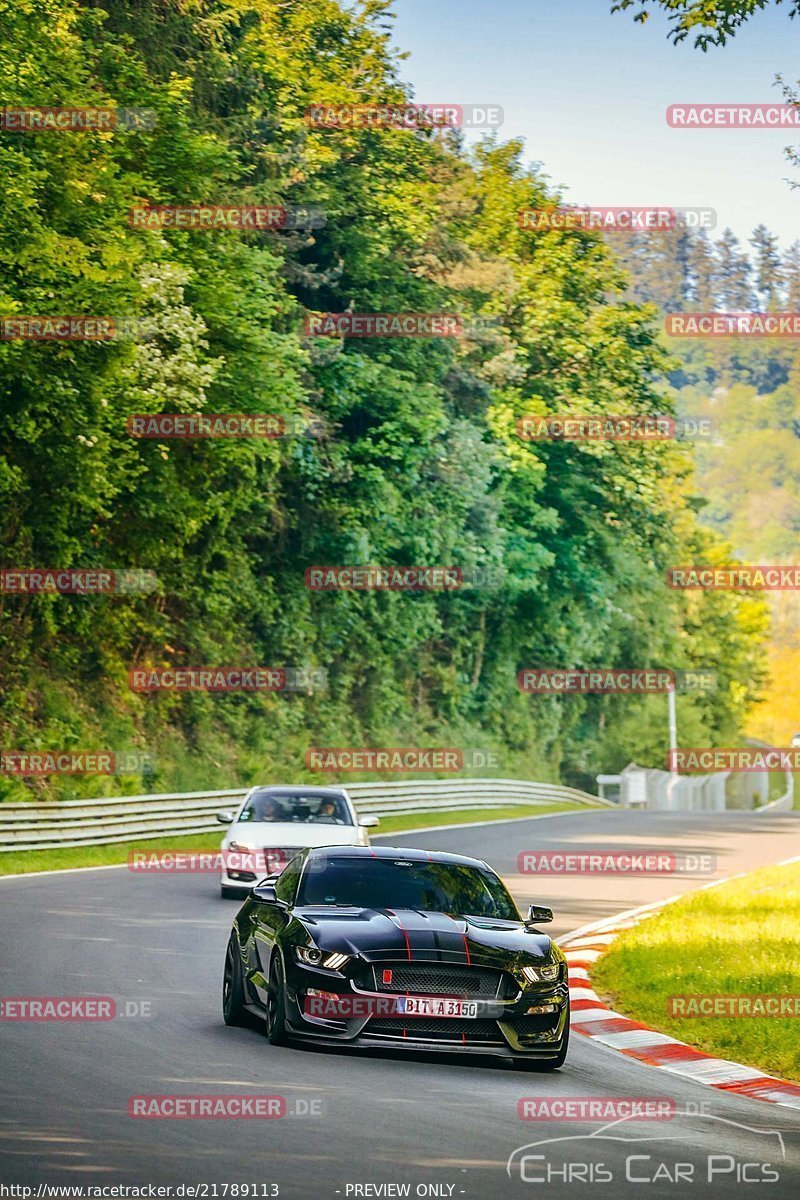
712	22
733	272
416	459
767	266
790	271
702	272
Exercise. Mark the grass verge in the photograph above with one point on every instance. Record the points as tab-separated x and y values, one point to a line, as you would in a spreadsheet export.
21	862
406	821
737	939
18	862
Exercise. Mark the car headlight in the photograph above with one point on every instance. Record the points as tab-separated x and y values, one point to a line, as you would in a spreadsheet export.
335	962
546	974
312	956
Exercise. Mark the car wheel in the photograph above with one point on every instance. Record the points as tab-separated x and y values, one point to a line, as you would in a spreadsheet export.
276	1004
233	998
227	893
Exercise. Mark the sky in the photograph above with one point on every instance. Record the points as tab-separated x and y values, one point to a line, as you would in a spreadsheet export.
588	90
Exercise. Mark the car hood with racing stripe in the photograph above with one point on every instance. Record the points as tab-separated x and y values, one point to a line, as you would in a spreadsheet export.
379	934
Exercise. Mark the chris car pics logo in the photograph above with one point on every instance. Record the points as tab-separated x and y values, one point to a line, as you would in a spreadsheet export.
619	1152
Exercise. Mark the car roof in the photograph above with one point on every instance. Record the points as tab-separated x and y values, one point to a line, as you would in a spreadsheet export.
408	853
296	790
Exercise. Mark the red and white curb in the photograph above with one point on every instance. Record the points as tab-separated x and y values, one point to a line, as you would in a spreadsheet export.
594	1019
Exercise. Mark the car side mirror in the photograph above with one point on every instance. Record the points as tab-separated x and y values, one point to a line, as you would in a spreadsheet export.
265	892
226	817
538	915
369	822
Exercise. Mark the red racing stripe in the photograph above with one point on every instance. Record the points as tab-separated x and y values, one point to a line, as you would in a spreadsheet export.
405	935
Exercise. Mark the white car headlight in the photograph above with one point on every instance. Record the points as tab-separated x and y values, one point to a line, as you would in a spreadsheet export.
546	974
310	955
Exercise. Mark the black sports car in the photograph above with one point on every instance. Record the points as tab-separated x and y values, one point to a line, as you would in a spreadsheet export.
408	949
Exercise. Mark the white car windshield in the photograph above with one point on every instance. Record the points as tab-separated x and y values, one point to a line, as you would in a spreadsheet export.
301	807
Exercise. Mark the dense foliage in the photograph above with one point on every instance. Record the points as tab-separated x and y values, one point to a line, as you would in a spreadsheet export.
711	22
414	457
743	396
684	270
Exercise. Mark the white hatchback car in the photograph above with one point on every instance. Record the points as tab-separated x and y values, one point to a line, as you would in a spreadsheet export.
275	822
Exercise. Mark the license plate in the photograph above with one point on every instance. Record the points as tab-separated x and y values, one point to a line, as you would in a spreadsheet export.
436	1006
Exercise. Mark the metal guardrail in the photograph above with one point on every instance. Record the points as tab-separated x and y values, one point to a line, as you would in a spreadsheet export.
176	814
659	791
784	803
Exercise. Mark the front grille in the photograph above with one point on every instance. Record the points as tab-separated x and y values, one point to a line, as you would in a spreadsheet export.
440	979
441	1030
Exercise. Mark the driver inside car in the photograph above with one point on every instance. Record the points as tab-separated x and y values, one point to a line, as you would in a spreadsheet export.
268	810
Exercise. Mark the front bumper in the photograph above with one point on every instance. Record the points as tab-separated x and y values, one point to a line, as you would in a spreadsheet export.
243	880
503	1027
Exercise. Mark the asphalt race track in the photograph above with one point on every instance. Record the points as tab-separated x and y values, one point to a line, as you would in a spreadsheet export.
442	1125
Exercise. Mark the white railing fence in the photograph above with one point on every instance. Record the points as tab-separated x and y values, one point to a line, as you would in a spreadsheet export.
722	791
138	818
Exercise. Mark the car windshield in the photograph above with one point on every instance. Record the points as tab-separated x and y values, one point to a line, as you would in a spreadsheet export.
311	808
400	883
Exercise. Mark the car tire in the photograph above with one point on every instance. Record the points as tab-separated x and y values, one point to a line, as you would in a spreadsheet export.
276	1004
227	893
233	997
